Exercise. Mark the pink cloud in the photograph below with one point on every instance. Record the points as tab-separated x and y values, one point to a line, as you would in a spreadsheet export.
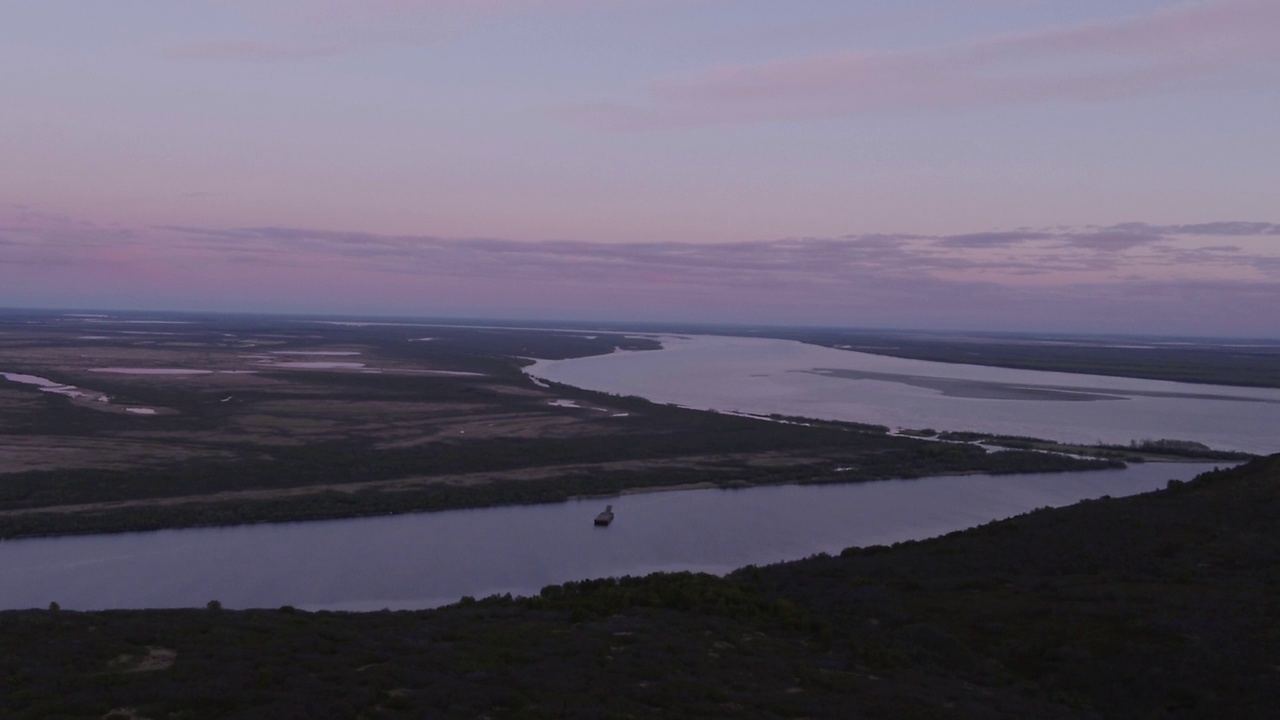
1053	279
1155	52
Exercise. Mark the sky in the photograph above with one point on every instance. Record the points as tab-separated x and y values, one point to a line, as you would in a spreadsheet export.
1053	165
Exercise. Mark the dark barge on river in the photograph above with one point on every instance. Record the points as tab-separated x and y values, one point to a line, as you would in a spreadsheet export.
605	517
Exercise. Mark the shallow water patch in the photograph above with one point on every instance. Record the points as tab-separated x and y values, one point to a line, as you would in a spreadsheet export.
151	371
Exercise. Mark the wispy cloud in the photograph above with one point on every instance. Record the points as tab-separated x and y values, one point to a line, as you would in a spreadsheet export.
1121	251
1161	51
1225	229
1112	240
991	239
974	279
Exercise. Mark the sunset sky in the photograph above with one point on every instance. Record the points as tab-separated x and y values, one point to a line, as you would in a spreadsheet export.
1062	165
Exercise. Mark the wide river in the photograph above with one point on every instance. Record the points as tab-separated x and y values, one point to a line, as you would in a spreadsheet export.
425	560
765	376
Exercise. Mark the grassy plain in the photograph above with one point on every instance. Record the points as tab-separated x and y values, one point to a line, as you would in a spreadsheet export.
213	420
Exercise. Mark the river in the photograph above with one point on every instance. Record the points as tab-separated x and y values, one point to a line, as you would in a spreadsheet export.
765	376
430	559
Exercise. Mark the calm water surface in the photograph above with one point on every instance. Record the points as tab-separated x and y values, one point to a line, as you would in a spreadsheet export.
425	560
764	376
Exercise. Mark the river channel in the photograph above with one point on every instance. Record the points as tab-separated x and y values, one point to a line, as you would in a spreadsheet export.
766	376
430	559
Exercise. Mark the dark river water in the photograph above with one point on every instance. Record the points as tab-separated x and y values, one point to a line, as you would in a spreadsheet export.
425	560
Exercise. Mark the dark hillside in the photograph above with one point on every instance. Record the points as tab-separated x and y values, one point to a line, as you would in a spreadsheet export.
1162	605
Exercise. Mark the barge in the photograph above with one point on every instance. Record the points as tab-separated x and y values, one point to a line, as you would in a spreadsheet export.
605	517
